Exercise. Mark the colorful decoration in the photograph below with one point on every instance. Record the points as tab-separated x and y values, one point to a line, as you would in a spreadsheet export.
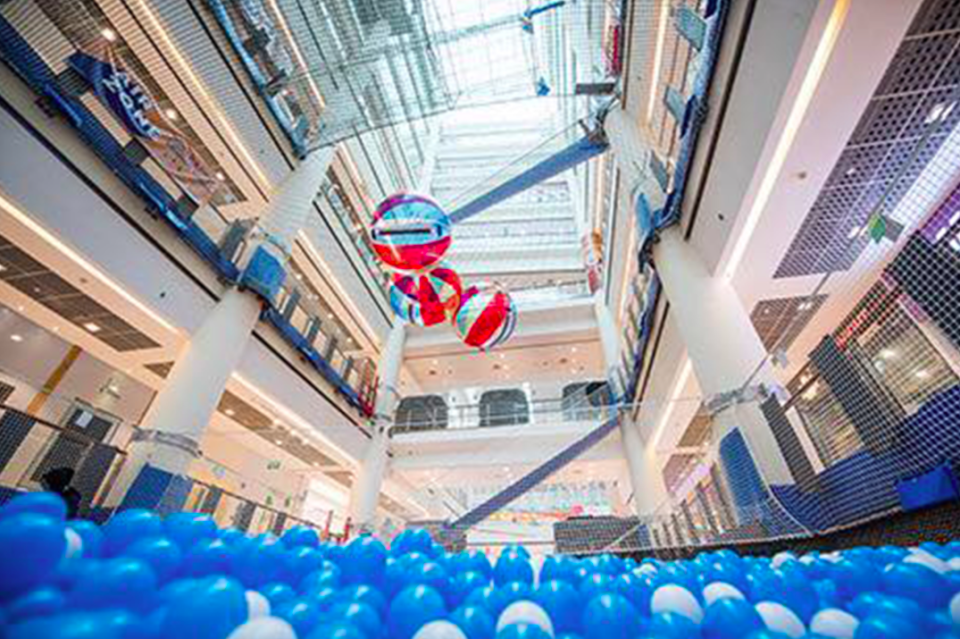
486	318
427	298
410	232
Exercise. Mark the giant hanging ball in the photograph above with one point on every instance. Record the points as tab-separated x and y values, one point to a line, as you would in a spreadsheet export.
428	297
487	317
410	232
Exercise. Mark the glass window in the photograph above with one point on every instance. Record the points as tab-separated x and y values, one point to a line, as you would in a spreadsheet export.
828	426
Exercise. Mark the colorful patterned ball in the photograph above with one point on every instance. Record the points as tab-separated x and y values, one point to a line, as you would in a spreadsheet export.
428	297
410	232
486	318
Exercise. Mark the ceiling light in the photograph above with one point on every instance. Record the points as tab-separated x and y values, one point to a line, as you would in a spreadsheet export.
2	268
854	232
172	114
435	362
888	353
16	338
220	176
329	316
922	374
573	349
56	329
92	327
804	306
278	442
230	412
109	35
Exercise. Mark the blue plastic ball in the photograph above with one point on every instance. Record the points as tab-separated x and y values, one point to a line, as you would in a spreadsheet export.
325	598
556	567
515	591
207	557
670	625
40	503
523	631
916	582
328	576
489	598
258	562
637	590
119	583
474	621
730	618
210	609
512	566
872	604
465	583
129	526
161	554
36	603
358	614
596	584
365	594
885	627
186	529
334	554
430	574
365	560
297	536
66	626
610	616
562	602
412	608
33	546
853	578
300	562
336	630
90	534
412	540
474	560
278	593
303	615
232	536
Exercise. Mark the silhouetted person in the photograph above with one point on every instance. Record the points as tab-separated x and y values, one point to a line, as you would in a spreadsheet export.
57	481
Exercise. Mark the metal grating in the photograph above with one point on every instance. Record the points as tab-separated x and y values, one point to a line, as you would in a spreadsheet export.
698	430
780	321
878	166
39	283
267	428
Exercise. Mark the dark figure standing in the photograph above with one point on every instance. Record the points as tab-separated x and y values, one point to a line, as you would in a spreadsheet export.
58	481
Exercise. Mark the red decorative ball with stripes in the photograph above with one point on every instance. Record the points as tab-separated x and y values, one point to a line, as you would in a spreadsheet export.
486	318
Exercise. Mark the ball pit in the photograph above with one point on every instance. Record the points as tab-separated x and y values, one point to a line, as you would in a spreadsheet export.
145	577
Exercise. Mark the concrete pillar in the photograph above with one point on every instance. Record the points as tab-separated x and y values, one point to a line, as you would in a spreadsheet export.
368	483
648	489
723	346
176	420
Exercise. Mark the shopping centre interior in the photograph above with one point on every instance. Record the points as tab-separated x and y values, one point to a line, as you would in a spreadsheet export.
699	288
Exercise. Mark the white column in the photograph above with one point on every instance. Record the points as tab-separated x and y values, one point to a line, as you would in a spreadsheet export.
723	346
648	489
176	420
365	492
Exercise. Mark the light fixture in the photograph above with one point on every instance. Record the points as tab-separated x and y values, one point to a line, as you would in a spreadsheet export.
854	232
278	442
804	306
93	327
2	268
220	176
573	349
888	353
109	35
172	114
230	412
329	316
922	374
16	338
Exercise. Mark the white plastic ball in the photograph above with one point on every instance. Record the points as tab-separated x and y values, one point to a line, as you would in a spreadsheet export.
74	548
645	569
922	558
954	563
439	630
955	609
257	605
834	623
525	612
720	590
779	618
264	628
673	598
781	558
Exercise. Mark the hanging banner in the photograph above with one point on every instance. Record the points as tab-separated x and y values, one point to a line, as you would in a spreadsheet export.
137	112
592	246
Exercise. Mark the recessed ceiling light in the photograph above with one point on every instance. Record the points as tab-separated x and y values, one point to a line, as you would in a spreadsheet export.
435	362
220	176
330	316
2	268
16	338
853	232
109	35
573	349
230	412
804	306
922	374
172	114
92	327
56	329
278	442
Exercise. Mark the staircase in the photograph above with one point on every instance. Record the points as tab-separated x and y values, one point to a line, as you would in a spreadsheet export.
535	477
